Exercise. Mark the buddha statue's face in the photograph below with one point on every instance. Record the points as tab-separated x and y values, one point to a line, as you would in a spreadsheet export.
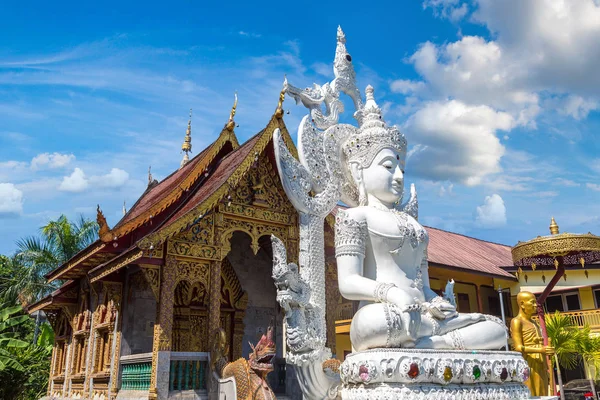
384	178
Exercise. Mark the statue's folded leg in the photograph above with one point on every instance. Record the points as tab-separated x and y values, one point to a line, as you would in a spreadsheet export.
489	334
379	325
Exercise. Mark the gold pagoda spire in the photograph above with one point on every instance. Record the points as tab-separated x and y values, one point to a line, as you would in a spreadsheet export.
186	147
553	227
231	123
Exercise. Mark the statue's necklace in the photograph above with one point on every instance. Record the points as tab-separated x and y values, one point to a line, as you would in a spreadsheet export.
417	236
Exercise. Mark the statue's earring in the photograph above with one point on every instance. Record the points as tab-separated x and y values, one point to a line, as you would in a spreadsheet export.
362	195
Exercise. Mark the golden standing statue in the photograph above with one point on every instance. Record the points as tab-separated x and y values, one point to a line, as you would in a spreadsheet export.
527	339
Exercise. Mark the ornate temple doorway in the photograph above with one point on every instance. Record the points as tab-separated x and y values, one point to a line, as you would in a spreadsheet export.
254	272
190	310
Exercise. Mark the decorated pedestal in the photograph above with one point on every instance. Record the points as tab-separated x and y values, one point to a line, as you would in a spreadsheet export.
434	374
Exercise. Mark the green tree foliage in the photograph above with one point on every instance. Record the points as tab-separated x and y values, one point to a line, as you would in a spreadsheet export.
60	240
572	344
9	334
24	366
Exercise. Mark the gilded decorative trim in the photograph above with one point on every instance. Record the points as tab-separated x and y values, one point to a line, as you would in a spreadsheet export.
193	250
224	137
256	213
214	302
208	204
72	263
114	266
554	246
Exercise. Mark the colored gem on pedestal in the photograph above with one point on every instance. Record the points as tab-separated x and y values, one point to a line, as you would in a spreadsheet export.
525	374
363	372
504	374
413	372
448	374
476	372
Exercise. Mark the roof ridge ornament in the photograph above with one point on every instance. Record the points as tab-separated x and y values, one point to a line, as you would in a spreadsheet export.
231	123
279	109
102	224
186	147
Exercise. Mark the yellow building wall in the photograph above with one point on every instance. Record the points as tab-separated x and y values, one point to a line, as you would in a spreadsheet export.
464	283
586	297
342	344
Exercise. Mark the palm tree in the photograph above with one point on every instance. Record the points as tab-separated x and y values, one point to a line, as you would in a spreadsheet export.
60	240
563	335
588	348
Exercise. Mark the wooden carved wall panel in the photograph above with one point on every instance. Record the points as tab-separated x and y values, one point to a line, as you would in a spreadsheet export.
151	274
193	250
202	232
191	294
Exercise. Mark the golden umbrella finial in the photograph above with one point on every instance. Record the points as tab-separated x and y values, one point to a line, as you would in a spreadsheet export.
231	123
553	227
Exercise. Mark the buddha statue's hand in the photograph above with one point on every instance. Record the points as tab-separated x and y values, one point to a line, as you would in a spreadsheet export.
411	319
548	350
440	308
411	310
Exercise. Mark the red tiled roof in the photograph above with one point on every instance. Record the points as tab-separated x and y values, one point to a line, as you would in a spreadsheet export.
455	250
217	178
156	193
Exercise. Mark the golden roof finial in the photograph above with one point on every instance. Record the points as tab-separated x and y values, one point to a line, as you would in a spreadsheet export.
124	208
186	147
279	109
149	175
231	123
101	221
553	227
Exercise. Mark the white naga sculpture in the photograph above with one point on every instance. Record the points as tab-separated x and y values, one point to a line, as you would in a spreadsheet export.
381	254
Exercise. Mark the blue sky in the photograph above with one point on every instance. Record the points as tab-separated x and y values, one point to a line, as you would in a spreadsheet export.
498	100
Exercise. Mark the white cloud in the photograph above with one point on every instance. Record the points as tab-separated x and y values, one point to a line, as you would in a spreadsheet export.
578	107
323	69
456	141
476	71
250	34
595	165
54	160
492	213
114	179
446	190
76	182
566	182
593	186
449	9
406	86
11	200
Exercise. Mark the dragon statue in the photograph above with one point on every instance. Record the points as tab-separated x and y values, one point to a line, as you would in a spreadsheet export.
250	375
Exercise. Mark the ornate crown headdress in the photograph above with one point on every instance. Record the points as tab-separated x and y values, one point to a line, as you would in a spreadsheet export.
373	136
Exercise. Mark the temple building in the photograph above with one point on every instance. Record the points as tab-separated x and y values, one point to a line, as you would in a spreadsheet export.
138	310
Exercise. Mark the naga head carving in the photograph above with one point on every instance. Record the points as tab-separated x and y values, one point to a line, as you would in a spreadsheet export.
261	357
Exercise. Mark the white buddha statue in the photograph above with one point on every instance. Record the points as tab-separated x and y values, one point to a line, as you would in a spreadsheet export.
381	254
